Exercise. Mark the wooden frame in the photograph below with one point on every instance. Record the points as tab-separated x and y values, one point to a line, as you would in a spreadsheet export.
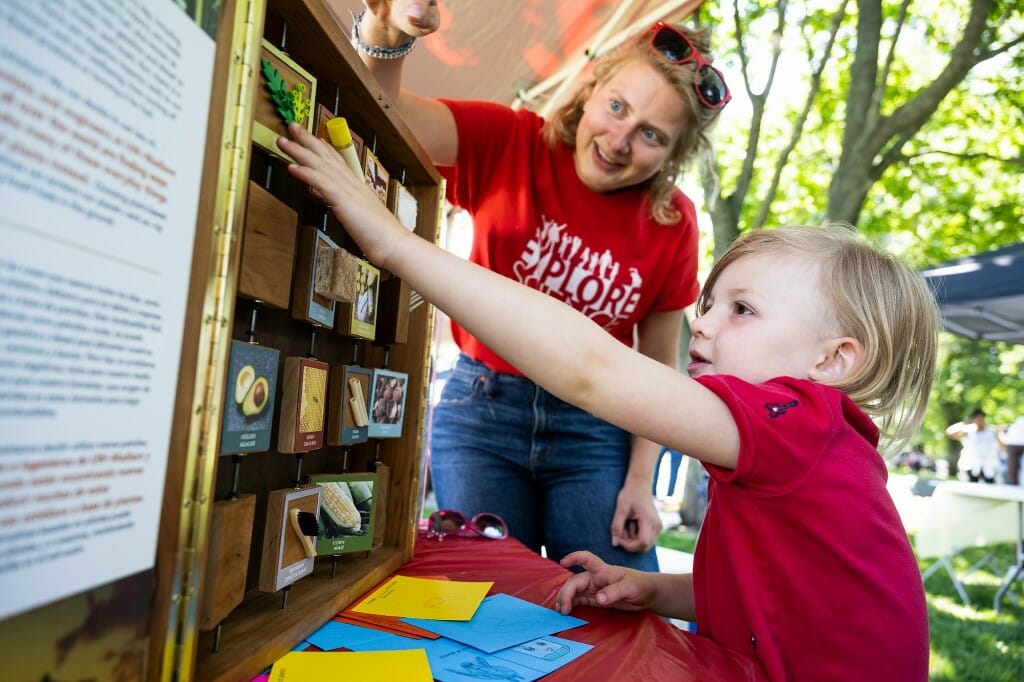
258	630
268	123
268	248
156	630
283	560
307	304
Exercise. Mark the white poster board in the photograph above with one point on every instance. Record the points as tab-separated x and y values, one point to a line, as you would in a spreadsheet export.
103	107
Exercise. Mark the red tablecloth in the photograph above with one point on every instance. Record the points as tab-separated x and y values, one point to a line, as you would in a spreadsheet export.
627	645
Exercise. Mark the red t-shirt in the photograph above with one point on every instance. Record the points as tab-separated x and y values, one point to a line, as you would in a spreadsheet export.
802	560
535	222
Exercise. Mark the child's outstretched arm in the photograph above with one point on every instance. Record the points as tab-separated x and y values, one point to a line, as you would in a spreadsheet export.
548	341
601	584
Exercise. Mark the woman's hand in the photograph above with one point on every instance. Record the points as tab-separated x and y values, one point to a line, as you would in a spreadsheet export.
390	23
636	522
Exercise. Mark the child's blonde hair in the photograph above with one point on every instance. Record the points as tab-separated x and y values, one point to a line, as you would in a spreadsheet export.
875	299
562	125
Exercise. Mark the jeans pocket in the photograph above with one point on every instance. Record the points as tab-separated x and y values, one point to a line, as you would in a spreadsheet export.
464	385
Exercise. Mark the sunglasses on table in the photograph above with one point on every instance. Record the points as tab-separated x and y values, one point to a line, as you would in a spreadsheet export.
445	522
673	44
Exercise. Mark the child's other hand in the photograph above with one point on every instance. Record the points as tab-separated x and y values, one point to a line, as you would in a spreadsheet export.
601	584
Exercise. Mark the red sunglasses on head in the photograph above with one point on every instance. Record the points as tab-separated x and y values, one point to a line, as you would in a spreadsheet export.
673	44
445	522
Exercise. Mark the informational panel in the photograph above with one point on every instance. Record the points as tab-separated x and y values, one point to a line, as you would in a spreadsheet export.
103	107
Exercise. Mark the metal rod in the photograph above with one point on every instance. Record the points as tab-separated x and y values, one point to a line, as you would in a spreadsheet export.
236	470
251	332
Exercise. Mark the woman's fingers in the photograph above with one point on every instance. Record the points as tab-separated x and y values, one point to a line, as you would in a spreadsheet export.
416	17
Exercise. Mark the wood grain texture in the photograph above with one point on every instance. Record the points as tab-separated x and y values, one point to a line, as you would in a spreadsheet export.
268	248
227	559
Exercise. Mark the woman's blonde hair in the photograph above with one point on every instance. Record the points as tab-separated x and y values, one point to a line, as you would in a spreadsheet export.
562	125
875	299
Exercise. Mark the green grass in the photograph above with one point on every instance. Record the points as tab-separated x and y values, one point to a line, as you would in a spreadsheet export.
973	643
684	541
968	643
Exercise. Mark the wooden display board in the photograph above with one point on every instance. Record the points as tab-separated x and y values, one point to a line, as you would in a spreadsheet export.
302	36
162	622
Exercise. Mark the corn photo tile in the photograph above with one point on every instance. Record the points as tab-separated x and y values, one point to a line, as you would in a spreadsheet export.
348	505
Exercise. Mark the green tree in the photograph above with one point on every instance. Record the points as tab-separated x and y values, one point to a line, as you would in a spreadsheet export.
901	114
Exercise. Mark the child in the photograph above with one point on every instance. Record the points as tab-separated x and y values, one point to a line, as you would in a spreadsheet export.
803	333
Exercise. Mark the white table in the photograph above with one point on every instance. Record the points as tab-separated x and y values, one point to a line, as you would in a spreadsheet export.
1005	493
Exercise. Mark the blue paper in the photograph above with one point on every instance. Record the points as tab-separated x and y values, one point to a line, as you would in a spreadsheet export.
451	661
545	654
502	621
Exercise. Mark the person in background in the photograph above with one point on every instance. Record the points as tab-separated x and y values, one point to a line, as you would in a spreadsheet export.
675	461
582	206
1014	441
979	457
805	336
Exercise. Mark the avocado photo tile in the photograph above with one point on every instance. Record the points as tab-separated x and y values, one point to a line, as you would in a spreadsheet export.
250	389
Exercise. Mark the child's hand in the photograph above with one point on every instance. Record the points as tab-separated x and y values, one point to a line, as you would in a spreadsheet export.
602	585
362	214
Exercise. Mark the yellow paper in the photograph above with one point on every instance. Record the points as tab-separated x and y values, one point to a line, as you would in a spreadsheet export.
365	666
406	597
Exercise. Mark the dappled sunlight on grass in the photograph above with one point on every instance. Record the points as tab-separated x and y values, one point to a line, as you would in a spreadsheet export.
939	667
954	607
973	643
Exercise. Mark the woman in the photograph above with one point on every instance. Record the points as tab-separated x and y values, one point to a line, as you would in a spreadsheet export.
584	208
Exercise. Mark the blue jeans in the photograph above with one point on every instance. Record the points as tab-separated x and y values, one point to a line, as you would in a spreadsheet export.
500	443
